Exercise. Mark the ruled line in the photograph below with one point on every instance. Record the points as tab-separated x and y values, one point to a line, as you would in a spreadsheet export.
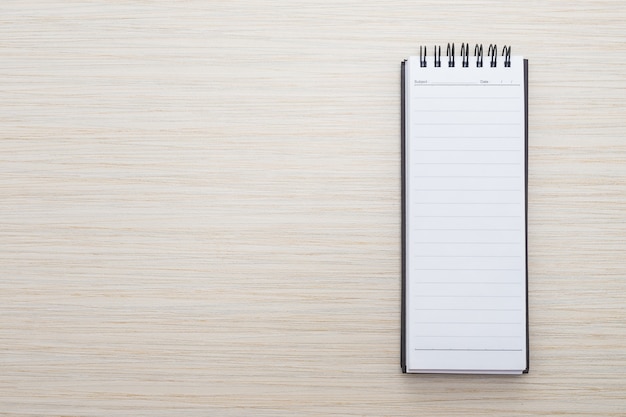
466	296
465	256
472	350
469	282
468	189
417	111
418	229
466	137
466	269
464	124
472	217
468	336
467	309
465	243
414	97
484	203
468	322
467	163
436	84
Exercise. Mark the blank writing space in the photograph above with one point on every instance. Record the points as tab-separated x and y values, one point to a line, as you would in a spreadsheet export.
466	157
468	289
454	276
467	236
468	106
426	263
458	342
466	303
467	128
469	184
472	144
467	197
465	170
444	210
468	250
422	117
467	360
468	316
490	101
467	223
467	330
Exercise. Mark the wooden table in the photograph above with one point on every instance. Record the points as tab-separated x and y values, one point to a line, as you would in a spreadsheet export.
200	209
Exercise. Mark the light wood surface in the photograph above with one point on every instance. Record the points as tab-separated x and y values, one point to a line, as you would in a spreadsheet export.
200	213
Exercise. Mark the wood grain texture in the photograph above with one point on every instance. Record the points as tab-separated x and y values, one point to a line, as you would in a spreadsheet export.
200	208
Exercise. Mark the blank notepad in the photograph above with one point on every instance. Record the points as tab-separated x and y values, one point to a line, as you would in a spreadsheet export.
464	213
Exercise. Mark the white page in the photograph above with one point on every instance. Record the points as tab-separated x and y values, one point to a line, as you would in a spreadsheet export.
465	217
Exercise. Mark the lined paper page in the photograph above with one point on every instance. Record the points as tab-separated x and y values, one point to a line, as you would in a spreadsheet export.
465	189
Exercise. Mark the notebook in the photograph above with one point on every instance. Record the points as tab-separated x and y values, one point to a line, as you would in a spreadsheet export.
464	182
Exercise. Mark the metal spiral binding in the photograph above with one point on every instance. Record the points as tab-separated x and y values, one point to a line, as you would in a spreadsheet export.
450	53
465	55
423	57
478	53
506	53
492	53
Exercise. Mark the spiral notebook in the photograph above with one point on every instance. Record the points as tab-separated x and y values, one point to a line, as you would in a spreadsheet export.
464	182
